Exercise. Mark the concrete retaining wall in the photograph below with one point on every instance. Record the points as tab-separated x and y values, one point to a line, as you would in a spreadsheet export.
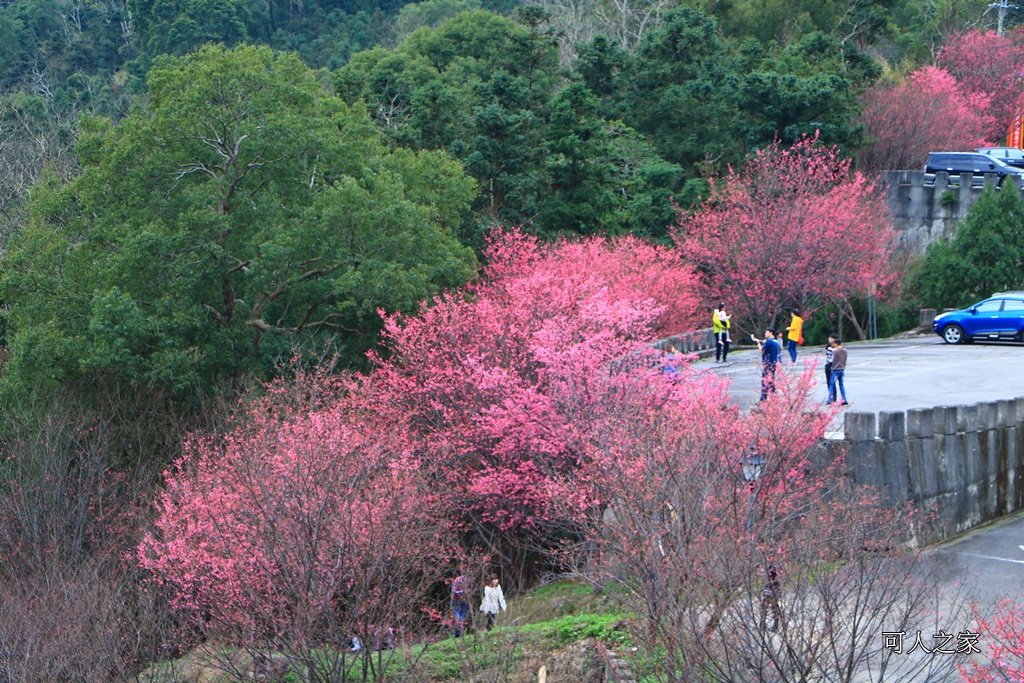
919	215
961	464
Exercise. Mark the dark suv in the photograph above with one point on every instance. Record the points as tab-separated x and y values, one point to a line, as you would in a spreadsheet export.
1009	155
955	163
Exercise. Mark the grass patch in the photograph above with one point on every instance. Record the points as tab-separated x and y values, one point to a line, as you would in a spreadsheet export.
538	623
563	598
610	628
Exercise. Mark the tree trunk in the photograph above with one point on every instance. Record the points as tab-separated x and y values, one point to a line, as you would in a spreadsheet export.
846	309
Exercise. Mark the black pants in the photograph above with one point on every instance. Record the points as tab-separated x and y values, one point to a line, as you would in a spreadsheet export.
770	603
828	374
721	345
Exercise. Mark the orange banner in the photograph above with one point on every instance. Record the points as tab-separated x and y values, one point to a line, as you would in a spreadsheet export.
1015	136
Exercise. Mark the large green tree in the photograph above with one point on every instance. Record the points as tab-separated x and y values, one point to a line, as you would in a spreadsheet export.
681	92
986	255
477	85
488	89
705	101
602	176
808	88
241	211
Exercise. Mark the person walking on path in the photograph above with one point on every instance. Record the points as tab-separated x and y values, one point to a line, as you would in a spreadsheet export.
720	325
771	356
770	600
796	333
494	600
460	606
838	372
828	360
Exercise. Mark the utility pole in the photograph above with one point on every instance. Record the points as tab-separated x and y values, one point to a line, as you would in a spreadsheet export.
1003	6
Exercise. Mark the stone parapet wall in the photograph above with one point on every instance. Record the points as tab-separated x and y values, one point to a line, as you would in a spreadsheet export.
961	465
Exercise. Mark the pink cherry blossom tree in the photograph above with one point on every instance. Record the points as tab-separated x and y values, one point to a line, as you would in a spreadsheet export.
988	65
927	112
699	509
796	228
299	530
1001	640
500	381
329	511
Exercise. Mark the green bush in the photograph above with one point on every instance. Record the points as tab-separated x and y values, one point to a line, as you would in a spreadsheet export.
982	258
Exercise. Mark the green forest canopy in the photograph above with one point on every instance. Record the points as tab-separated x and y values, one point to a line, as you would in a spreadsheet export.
676	92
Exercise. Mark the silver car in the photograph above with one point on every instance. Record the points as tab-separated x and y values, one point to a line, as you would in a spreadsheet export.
1008	155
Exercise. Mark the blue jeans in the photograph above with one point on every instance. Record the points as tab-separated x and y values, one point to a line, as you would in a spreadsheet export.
460	607
837	378
767	380
791	345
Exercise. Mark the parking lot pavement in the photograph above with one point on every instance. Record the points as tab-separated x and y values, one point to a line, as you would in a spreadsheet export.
920	371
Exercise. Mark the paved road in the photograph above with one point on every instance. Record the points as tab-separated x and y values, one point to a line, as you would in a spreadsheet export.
982	568
920	371
989	560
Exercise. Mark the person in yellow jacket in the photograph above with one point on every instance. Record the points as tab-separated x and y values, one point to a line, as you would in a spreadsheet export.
796	333
720	326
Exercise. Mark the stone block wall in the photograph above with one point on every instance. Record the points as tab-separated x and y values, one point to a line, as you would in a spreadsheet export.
961	465
616	669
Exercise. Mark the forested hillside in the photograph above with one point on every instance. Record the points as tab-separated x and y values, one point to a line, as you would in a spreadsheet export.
573	116
307	306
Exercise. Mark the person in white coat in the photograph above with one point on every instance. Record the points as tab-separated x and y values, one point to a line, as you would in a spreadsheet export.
494	599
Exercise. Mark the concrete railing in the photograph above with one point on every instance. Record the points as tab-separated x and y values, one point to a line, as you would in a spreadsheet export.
961	465
698	342
927	318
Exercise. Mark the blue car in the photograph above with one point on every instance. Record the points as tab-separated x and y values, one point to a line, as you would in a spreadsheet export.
1001	316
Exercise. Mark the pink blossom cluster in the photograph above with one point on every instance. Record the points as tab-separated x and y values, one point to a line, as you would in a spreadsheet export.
298	519
928	112
502	381
989	68
1002	633
796	228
